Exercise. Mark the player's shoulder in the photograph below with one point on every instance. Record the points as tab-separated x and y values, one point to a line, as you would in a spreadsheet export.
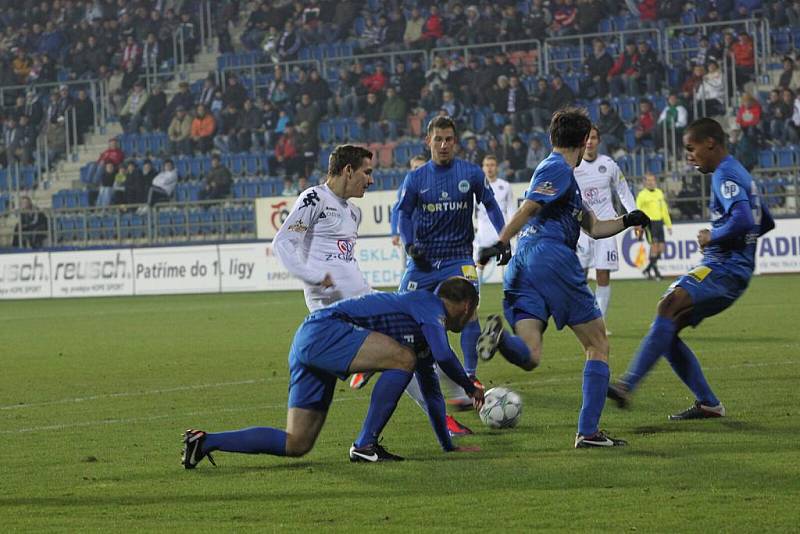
423	304
606	164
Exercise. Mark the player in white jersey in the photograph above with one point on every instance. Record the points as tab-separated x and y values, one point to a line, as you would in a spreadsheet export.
599	179
317	240
485	234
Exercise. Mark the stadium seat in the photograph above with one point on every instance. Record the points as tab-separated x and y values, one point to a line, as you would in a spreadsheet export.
766	158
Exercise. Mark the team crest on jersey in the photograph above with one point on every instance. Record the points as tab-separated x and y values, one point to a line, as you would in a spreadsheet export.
601	169
463	186
546	188
345	246
729	189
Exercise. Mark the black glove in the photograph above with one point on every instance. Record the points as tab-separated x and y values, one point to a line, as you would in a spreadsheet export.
635	218
499	251
419	258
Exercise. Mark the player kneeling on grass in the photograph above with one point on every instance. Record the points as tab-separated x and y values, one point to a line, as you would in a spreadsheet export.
729	248
376	332
545	277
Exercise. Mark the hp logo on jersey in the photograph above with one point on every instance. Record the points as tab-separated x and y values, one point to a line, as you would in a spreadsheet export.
729	189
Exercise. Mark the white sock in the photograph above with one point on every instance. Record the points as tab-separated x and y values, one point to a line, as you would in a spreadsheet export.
452	390
415	393
603	296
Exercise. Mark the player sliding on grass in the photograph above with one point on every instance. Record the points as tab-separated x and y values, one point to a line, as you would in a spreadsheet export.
738	219
545	278
389	332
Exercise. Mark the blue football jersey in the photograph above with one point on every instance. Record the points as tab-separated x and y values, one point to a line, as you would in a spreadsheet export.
440	201
399	316
553	186
731	183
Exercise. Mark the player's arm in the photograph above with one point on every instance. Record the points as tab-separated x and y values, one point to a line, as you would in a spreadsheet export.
436	336
288	242
406	205
527	209
598	229
485	195
623	191
393	222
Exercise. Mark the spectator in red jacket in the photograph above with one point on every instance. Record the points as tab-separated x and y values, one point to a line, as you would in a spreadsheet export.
286	154
744	57
645	122
375	82
113	154
433	29
648	12
748	117
624	74
564	16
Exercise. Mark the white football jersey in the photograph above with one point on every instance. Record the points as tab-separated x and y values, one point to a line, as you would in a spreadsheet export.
486	234
598	181
317	238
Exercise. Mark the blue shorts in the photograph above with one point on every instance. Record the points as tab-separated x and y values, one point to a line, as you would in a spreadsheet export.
321	352
414	279
544	279
712	289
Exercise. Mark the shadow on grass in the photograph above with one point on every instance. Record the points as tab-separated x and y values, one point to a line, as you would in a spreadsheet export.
723	425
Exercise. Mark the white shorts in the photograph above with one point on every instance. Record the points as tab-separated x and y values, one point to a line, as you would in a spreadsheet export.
598	253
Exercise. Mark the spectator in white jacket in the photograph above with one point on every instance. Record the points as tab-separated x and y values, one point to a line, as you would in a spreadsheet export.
675	117
712	91
163	184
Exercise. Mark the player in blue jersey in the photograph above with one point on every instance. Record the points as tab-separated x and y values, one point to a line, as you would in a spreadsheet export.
389	332
738	219
435	224
545	277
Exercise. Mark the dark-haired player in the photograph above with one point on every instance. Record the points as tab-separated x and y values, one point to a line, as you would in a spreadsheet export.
545	278
738	219
376	332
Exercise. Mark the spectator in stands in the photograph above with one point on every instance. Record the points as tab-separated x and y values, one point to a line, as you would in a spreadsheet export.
689	199
413	32
511	25
596	69
235	93
673	119
539	18
790	75
317	88
562	95
206	92
34	107
433	29
21	64
536	153
590	13
131	54
645	125
32	229
189	35
564	15
250	131
693	82
270	123
307	148
793	126
624	74
289	43
748	116
56	136
371	36
256	26
226	139
469	31
118	194
743	148
711	92
132	114
84	114
151	54
27	140
651	71
411	81
541	104
280	96
135	185
64	100
217	183
370	118
472	152
289	188
308	111
393	112
611	128
155	108
202	133
286	155
163	185
743	56
179	133
107	178
778	115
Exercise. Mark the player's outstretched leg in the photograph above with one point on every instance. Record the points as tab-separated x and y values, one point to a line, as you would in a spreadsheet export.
523	350
687	367
469	342
596	374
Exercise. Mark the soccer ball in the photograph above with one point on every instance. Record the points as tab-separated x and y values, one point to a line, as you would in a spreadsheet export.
501	408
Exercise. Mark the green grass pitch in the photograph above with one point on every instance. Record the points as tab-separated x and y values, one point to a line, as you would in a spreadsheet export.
95	393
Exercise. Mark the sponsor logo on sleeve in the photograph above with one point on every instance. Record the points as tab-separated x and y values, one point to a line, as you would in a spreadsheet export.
298	227
545	188
729	189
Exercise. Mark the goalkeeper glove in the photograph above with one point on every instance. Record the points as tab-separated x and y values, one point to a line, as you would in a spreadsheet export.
499	251
419	258
635	218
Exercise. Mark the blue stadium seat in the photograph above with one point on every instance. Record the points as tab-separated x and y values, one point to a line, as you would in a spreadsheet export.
766	158
785	156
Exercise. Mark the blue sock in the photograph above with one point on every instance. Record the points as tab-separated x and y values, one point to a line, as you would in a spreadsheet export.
253	440
514	349
686	366
656	343
469	342
595	387
384	399
437	413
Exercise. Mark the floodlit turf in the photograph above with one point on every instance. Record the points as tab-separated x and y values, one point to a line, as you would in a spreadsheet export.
94	395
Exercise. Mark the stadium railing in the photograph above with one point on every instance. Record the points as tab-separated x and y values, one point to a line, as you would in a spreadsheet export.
500	46
574	49
261	74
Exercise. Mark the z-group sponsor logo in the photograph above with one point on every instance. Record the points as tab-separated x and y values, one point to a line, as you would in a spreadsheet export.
92	269
346	247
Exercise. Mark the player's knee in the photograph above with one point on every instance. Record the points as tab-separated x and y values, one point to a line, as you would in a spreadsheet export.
298	445
669	305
